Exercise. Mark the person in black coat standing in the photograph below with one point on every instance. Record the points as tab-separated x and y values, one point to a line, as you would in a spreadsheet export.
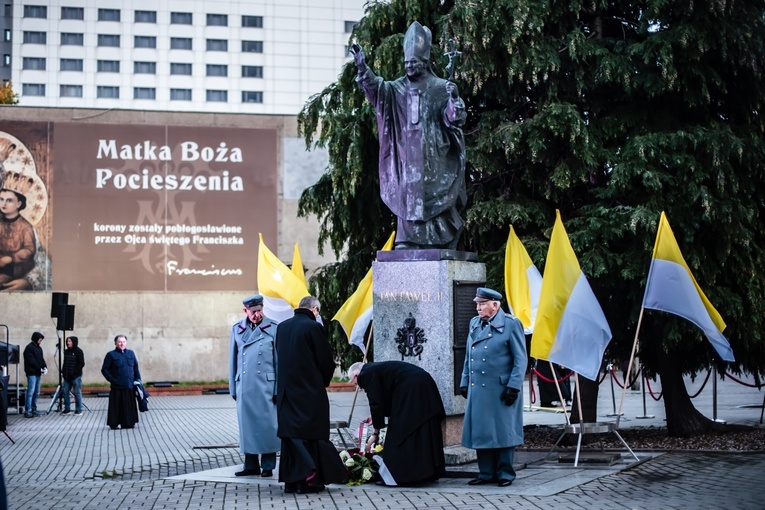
305	366
34	368
120	368
414	448
74	362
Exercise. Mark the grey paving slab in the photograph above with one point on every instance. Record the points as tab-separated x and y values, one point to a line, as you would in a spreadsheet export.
183	453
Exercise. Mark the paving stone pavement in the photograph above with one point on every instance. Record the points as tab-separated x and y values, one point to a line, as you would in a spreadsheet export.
183	453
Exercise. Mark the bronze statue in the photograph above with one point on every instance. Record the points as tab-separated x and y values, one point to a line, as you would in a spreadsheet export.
422	149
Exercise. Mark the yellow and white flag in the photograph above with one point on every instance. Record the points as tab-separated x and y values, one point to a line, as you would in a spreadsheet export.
570	329
523	283
297	265
672	288
356	313
280	288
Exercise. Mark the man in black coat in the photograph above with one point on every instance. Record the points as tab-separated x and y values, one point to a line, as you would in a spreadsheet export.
74	362
414	449
34	368
305	367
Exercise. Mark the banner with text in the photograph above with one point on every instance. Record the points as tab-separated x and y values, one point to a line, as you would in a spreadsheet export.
136	207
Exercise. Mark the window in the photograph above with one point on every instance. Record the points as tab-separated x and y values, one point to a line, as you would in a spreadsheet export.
144	93
217	70
68	39
180	94
35	11
180	18
217	45
71	64
217	96
7	35
349	26
33	89
145	16
145	67
35	37
252	46
108	14
252	97
6	60
183	69
71	90
252	71
217	20
8	10
145	41
108	66
72	13
112	40
35	63
180	43
107	92
252	21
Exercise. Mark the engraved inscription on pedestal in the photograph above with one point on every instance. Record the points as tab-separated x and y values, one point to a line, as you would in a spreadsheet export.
464	310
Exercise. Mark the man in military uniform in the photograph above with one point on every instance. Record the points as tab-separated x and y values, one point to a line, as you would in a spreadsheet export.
492	380
252	383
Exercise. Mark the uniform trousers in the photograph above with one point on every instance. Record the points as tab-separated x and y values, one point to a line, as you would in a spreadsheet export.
496	463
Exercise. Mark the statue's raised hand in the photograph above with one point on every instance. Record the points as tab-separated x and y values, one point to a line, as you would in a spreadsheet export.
358	57
452	90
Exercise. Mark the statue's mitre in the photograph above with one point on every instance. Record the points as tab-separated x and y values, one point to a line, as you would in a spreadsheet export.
417	42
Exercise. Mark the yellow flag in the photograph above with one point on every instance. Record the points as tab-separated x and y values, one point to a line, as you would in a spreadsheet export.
671	287
571	329
523	283
356	313
280	288
297	265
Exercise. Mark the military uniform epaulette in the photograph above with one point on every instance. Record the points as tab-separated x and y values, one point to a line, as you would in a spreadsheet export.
264	328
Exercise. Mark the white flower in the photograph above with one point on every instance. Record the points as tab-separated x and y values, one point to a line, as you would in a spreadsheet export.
350	463
367	474
344	455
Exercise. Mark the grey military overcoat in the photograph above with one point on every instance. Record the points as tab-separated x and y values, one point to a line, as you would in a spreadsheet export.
252	379
495	359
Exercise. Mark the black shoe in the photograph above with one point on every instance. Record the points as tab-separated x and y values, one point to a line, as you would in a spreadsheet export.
248	472
290	487
66	411
304	488
505	483
113	427
267	473
480	481
29	415
77	413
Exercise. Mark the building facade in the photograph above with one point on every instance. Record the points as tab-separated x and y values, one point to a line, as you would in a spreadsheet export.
216	56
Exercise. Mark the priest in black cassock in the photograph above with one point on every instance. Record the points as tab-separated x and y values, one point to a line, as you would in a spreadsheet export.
407	395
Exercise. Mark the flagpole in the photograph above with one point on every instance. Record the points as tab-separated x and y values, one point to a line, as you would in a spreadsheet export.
579	404
364	360
629	367
560	393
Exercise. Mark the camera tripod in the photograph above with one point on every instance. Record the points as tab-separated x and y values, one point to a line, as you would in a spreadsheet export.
58	396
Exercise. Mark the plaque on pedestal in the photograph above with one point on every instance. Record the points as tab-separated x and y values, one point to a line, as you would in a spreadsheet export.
422	310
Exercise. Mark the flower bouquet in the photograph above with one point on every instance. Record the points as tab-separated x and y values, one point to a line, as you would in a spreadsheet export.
360	466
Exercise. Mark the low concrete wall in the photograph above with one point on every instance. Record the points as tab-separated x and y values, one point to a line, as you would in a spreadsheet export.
180	336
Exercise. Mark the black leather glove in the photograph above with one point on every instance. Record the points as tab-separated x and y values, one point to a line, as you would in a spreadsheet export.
233	396
463	391
509	396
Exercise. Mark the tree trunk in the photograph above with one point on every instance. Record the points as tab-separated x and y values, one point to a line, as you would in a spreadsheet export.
683	419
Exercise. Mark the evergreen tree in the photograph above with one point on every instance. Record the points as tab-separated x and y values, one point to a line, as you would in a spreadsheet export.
612	112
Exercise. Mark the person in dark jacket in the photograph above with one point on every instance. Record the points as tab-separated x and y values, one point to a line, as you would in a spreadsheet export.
74	362
305	367
34	367
414	447
120	368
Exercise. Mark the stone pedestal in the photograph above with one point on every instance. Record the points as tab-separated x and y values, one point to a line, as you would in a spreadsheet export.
422	309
